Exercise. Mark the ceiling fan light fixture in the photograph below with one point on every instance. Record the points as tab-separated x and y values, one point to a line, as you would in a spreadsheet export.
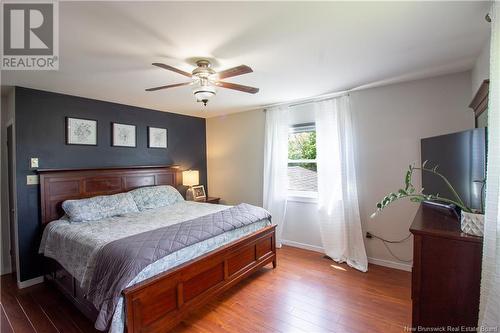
205	80
203	93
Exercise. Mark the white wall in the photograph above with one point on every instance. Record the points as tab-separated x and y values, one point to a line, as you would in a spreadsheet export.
389	123
235	156
481	69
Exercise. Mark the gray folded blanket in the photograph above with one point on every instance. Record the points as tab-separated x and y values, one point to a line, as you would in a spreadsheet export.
119	261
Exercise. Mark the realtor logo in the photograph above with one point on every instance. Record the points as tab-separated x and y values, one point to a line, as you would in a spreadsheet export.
30	36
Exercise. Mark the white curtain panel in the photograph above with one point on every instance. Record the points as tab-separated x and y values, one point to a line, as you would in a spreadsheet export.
275	166
489	310
340	223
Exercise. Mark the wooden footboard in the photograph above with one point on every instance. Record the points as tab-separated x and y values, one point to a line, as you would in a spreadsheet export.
161	302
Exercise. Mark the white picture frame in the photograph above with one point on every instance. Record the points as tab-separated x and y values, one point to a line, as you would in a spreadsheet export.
123	135
80	131
199	193
157	137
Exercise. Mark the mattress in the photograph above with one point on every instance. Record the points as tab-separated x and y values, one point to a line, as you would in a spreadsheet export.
75	245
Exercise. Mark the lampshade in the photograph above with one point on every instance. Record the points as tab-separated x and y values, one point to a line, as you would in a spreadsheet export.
190	177
203	93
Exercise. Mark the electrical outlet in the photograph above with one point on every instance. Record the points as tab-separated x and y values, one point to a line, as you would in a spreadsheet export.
32	180
34	162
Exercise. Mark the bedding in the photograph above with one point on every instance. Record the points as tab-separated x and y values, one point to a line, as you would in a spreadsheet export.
119	261
76	245
151	197
99	207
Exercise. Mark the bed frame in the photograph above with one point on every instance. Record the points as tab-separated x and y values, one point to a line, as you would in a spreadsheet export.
157	304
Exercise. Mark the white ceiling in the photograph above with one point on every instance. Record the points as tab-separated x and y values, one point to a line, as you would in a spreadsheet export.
297	50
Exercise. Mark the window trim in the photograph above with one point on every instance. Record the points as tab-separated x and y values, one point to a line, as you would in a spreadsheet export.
302	196
302	161
300	128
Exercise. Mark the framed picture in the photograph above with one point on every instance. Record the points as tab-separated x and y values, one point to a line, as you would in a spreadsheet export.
199	193
81	131
157	137
123	135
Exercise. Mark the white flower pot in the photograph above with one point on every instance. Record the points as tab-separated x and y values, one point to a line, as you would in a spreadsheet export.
472	224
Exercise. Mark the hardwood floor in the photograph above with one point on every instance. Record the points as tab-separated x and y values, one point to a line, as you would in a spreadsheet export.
305	293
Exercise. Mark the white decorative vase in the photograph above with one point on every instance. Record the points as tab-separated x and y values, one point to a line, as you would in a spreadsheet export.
472	224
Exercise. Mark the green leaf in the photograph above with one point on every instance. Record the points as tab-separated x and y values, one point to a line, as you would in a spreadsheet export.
408	179
409	191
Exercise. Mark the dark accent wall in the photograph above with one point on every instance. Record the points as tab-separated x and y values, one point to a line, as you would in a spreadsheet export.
40	132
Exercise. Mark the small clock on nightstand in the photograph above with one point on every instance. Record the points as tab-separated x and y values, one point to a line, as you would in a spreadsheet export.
212	200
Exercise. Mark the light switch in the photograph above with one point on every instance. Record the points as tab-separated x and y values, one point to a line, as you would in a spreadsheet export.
32	180
34	162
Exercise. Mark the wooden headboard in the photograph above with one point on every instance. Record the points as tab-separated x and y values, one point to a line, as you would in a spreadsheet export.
59	185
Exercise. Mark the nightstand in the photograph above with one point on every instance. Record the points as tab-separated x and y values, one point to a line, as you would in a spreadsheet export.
212	200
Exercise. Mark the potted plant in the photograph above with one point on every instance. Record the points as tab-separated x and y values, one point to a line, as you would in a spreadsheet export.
472	220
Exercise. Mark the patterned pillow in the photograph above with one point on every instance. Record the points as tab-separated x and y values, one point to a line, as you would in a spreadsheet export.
155	196
99	207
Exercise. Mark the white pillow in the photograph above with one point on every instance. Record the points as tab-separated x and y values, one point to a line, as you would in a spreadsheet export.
155	196
99	207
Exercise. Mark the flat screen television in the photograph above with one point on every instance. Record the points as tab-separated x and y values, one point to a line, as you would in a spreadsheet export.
461	157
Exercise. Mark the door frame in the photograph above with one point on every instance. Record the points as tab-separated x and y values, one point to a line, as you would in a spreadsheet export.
8	123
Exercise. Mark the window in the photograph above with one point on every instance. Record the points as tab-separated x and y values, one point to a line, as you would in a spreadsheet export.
302	170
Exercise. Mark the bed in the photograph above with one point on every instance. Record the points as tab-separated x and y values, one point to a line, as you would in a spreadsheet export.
166	290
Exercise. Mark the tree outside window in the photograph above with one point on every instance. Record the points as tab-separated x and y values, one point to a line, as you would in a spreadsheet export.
302	167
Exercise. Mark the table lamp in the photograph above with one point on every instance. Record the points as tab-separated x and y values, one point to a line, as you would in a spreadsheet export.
190	178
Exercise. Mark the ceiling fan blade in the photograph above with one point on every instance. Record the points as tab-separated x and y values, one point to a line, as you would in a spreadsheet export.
170	68
169	86
234	86
235	71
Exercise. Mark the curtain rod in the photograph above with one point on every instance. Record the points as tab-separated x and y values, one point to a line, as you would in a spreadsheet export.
316	99
321	98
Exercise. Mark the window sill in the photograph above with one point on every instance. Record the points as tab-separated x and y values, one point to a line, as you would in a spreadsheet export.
302	196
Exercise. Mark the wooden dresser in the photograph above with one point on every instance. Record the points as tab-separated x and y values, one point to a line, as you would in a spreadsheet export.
446	271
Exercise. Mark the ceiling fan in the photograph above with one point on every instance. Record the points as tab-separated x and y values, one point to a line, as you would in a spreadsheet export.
205	80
